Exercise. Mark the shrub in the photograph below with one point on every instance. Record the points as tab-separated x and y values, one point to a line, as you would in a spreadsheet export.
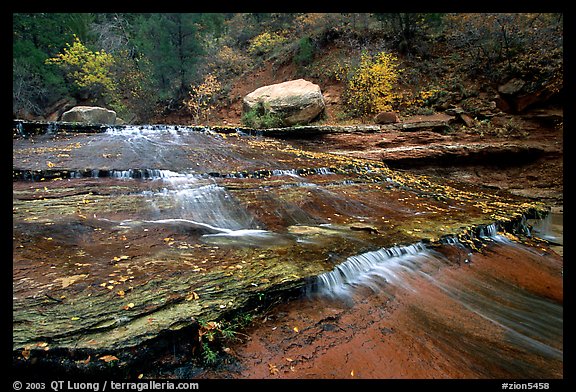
261	117
369	88
265	43
305	53
203	97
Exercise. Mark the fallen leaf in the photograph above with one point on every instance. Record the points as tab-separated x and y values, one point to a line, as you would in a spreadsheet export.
75	318
87	360
108	358
121	293
212	325
192	296
26	354
67	281
352	373
129	306
273	369
296	329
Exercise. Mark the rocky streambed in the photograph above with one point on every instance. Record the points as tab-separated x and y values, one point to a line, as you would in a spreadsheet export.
133	243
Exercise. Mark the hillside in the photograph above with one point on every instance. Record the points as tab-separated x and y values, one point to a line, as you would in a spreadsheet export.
486	139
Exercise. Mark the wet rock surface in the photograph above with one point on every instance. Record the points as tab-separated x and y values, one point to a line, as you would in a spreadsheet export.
478	320
521	154
112	265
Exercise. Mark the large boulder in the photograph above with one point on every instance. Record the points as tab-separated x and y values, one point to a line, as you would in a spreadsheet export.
386	118
89	114
296	102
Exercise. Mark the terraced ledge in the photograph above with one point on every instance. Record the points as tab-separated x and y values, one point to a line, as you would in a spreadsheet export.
163	314
121	267
22	128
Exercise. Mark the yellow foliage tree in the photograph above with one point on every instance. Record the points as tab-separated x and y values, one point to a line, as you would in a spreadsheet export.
88	70
370	88
202	97
265	42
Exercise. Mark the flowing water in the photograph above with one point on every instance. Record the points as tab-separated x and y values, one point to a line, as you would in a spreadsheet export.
123	235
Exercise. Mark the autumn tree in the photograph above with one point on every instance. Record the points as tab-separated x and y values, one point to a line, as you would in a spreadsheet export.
370	85
90	71
203	97
114	33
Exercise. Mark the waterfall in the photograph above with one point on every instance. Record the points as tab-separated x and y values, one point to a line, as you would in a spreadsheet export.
374	268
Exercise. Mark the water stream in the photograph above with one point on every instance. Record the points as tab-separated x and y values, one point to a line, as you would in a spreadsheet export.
166	211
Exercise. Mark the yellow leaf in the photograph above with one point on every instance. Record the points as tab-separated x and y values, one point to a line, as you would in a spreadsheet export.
296	329
121	293
108	358
67	281
129	306
75	318
212	325
50	164
273	369
26	354
192	296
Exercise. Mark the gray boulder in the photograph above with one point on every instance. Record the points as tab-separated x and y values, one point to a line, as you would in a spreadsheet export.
296	102
90	114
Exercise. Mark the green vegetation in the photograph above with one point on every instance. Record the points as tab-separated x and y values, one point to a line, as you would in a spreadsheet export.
261	117
153	64
305	53
214	335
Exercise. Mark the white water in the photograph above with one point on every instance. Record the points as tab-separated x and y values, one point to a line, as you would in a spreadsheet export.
374	269
530	322
396	265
